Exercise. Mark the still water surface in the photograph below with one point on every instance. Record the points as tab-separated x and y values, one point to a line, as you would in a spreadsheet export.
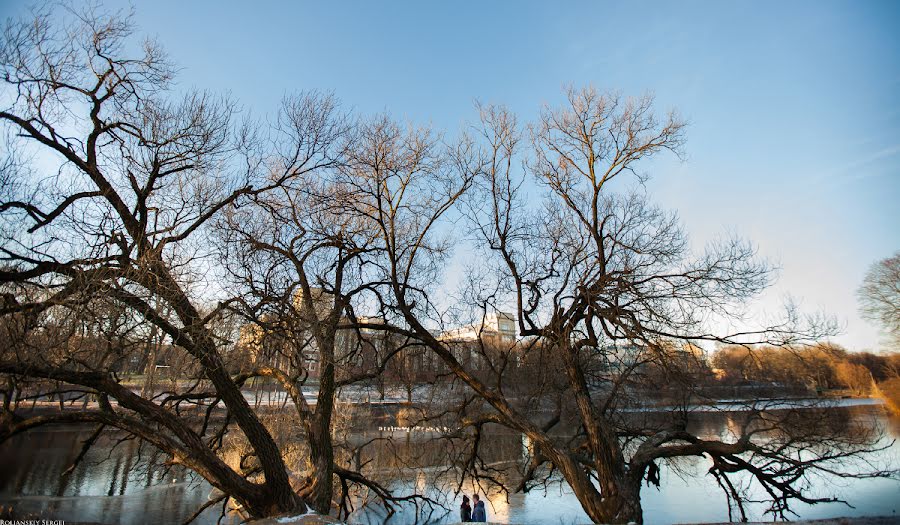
129	484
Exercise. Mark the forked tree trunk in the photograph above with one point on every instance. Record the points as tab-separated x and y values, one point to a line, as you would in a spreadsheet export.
620	502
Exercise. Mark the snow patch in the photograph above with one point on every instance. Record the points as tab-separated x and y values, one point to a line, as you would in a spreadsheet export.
289	519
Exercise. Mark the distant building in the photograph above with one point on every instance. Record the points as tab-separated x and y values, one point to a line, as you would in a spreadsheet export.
622	356
322	301
357	349
470	342
494	325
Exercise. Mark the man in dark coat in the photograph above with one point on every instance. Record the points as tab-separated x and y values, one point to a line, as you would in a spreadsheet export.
478	512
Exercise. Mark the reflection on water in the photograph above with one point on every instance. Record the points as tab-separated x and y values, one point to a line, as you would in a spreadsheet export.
117	482
123	482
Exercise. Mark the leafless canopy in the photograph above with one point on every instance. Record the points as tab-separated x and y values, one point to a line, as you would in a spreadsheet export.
137	219
608	299
113	216
879	296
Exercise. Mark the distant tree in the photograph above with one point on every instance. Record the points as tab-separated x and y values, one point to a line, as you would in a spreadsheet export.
810	366
879	297
855	377
892	365
890	392
879	365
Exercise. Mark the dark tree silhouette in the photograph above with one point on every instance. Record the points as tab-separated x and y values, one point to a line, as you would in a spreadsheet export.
115	215
603	286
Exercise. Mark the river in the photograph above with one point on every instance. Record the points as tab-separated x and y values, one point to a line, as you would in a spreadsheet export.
123	482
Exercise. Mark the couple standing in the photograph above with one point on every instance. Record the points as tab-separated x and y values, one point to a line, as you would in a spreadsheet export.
467	513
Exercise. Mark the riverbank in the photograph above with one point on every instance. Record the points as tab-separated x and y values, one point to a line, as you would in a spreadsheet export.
302	519
877	520
889	391
315	519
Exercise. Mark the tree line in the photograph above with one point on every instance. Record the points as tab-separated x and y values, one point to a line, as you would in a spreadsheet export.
816	367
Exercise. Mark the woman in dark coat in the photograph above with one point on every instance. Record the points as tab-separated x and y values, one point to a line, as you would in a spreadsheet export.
465	511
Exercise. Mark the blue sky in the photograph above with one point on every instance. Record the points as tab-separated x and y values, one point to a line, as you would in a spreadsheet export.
794	106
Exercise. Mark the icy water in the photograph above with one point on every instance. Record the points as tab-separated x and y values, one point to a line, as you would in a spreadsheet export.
130	484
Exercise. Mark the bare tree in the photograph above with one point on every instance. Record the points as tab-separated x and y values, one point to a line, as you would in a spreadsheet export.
300	263
602	284
333	231
879	297
855	377
115	212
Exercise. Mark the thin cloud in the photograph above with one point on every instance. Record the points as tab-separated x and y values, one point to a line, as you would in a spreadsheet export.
850	172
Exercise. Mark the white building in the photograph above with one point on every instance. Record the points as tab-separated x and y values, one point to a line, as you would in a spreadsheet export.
494	325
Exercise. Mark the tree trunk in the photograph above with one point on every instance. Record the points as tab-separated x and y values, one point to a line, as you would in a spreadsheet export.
322	456
277	496
619	503
320	443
